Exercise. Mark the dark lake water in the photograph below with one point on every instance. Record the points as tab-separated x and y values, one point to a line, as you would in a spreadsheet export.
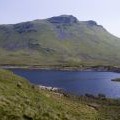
75	82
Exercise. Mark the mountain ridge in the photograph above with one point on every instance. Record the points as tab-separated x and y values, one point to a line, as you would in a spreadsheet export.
58	40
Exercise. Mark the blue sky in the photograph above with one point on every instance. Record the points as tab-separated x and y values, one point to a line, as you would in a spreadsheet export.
105	12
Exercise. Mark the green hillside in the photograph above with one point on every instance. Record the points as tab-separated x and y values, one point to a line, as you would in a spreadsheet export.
58	40
19	100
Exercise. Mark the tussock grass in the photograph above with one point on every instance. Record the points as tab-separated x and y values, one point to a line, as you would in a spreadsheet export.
20	100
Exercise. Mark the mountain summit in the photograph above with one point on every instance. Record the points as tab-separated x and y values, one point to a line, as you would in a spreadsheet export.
58	40
63	19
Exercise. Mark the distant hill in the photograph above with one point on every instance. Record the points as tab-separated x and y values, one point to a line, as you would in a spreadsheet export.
58	40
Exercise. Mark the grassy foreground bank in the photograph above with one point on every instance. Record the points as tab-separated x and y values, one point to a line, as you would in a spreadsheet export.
20	100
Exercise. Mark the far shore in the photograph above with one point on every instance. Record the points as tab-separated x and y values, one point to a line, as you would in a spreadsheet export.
65	68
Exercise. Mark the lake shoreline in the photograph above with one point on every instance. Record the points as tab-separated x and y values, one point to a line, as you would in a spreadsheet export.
62	92
41	79
66	68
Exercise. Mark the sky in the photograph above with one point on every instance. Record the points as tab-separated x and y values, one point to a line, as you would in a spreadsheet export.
104	12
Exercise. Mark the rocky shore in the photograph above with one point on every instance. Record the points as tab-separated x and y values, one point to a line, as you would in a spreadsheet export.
116	80
54	89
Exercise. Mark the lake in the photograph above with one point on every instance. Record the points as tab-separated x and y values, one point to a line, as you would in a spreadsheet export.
75	82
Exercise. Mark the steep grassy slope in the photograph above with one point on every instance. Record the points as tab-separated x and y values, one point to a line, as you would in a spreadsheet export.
19	100
57	40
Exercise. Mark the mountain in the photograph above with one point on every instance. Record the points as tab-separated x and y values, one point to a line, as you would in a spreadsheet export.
20	100
58	40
